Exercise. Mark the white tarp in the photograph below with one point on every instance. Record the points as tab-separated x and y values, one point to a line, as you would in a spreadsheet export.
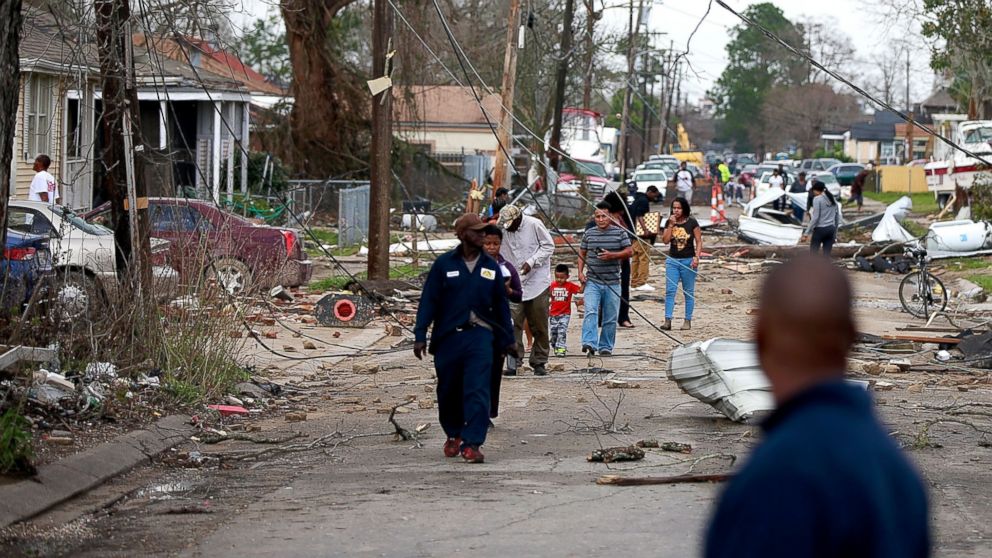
959	236
762	199
434	245
889	229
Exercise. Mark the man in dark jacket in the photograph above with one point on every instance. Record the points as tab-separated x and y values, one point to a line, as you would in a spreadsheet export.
464	298
827	480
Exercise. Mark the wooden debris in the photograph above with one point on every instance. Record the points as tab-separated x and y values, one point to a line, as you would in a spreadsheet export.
677	447
647	444
616	480
611	455
923	339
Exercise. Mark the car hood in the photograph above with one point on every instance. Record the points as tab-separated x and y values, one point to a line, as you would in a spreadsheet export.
569	177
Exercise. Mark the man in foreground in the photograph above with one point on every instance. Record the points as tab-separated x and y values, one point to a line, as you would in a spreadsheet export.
827	480
464	298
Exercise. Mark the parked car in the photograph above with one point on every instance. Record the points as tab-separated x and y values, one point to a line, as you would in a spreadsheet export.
813	165
830	181
651	177
84	266
845	172
25	264
209	243
577	174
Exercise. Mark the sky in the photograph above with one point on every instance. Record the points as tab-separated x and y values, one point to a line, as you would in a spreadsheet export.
865	26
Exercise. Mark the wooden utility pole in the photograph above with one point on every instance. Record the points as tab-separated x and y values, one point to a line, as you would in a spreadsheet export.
591	16
120	119
380	168
506	92
623	143
671	92
10	77
566	53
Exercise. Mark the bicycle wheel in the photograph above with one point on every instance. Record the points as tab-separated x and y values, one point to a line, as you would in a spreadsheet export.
922	294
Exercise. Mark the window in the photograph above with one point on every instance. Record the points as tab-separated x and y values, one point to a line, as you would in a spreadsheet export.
175	218
74	140
38	92
27	221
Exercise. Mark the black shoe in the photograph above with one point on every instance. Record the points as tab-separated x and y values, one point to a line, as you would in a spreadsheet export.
509	372
588	350
605	353
540	370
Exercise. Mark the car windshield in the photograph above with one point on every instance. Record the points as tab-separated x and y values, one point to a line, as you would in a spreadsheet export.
978	135
827	163
650	177
76	221
587	168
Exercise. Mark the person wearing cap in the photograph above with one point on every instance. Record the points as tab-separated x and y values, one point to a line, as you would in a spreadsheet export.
464	302
528	246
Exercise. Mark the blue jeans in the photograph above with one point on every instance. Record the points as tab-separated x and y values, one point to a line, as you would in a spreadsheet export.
606	298
464	362
676	270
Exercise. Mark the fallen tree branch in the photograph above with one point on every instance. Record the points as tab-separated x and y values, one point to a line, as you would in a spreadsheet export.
211	438
616	480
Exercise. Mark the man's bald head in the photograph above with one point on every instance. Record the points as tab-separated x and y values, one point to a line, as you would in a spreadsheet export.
805	326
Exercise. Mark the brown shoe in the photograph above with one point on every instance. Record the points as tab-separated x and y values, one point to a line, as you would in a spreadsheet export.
687	325
667	326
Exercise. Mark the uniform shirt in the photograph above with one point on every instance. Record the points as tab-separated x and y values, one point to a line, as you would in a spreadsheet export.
531	244
724	172
826	481
452	295
561	297
612	239
44	183
683	180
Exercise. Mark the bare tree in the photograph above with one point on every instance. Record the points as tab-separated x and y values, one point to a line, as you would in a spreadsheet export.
801	114
827	45
10	75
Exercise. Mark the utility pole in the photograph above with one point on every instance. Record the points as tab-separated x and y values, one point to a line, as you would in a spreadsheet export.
509	81
380	168
645	105
909	107
671	91
566	53
591	16
624	143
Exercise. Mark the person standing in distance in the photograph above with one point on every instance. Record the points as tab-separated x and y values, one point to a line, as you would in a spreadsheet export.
684	182
464	302
827	480
528	245
44	187
824	218
602	249
685	240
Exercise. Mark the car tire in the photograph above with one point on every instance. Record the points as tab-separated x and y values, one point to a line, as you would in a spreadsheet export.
230	274
74	295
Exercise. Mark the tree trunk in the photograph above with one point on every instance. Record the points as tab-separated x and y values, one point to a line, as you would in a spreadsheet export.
120	117
330	116
10	76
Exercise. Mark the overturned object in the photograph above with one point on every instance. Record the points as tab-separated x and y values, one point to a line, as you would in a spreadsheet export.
959	237
343	310
724	373
622	453
889	229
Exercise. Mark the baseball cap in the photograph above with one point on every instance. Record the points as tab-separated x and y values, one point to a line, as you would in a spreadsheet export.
508	215
469	221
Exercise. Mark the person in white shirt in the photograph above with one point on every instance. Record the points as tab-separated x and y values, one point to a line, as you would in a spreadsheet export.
528	245
683	182
776	180
43	185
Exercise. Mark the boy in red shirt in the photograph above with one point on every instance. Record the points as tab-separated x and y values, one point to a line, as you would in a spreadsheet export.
561	308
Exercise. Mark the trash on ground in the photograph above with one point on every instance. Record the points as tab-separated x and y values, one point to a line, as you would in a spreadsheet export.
228	410
611	455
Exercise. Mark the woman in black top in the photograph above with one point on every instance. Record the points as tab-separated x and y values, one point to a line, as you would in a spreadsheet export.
685	240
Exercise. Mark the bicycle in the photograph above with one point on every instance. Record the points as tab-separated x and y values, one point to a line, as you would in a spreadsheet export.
921	293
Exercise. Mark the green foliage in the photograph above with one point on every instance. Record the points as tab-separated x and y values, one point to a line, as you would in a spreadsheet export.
961	44
756	64
981	197
277	178
984	281
339	282
923	203
837	153
15	442
263	47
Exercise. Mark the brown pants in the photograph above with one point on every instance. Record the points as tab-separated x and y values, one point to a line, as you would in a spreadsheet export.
535	312
640	265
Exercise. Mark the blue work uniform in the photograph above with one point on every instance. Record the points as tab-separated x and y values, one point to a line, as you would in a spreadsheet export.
470	315
827	481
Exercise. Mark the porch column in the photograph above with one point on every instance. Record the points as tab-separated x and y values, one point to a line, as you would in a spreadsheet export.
163	125
245	122
215	154
231	143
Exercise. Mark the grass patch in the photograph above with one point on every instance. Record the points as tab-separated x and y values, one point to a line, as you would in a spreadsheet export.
338	282
983	281
916	229
15	442
967	264
923	203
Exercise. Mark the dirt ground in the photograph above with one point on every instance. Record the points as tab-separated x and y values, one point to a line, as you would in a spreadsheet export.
358	491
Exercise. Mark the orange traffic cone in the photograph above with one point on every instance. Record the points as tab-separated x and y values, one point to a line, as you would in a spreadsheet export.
718	213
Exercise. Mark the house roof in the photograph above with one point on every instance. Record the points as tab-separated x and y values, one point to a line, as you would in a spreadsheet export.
451	105
44	45
940	99
881	127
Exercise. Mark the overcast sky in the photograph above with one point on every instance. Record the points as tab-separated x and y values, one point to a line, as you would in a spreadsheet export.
862	24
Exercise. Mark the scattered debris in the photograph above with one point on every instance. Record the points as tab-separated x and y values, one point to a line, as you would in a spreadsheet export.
228	410
309	345
639	481
620	384
344	310
296	416
725	374
677	447
647	444
611	455
280	293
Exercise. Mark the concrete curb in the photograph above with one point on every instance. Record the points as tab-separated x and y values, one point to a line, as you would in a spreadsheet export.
60	481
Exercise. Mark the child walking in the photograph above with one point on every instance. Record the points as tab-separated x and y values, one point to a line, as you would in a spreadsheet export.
561	308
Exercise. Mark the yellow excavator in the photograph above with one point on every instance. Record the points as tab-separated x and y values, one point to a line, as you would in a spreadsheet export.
686	151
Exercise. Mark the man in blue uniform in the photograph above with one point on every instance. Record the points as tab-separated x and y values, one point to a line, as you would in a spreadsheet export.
827	480
464	298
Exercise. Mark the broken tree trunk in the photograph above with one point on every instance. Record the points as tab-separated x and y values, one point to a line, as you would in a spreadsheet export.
10	76
638	481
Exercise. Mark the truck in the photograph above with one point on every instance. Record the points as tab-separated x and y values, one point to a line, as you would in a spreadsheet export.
952	168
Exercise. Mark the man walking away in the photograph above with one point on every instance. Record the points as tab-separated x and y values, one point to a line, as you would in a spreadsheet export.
827	480
858	187
640	264
684	182
44	186
528	246
602	249
464	299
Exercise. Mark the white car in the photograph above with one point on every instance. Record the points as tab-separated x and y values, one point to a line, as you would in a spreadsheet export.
651	177
82	255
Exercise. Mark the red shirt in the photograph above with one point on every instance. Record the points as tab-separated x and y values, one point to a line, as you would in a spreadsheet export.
561	297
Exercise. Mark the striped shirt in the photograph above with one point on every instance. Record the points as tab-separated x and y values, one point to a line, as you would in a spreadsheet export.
613	239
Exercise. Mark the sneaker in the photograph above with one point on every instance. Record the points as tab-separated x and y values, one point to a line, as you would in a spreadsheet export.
451	447
588	350
472	454
644	288
559	352
540	370
605	353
